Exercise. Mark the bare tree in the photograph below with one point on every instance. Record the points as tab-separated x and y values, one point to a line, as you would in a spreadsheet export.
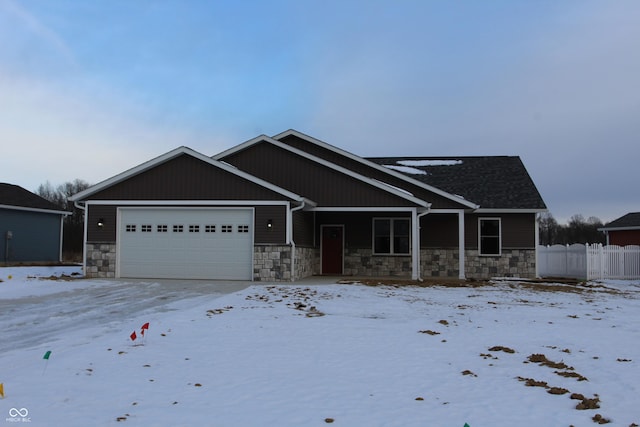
577	230
74	223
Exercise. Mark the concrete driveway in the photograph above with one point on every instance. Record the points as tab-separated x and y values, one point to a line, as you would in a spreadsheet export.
112	304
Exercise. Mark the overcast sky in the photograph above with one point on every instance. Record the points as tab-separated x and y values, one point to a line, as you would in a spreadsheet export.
89	89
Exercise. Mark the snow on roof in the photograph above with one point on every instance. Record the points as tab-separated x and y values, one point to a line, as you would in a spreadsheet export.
432	162
406	169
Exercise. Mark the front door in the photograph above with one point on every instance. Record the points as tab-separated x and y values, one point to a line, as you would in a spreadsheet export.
332	248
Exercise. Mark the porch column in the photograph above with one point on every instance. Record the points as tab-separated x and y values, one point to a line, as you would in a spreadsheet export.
461	267
415	245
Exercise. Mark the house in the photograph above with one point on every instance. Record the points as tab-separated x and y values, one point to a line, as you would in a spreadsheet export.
623	231
30	227
290	206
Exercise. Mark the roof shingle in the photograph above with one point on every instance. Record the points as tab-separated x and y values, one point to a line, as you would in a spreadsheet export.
631	219
13	195
494	182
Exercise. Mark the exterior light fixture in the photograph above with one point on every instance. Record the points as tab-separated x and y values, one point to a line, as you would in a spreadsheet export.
270	224
101	222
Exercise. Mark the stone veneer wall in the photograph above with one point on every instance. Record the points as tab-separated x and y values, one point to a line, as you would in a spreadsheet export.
272	263
101	260
362	262
512	263
307	262
439	263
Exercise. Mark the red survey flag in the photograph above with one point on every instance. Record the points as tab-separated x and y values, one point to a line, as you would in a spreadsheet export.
145	326
133	336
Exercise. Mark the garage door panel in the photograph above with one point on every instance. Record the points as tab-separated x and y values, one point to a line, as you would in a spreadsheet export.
201	250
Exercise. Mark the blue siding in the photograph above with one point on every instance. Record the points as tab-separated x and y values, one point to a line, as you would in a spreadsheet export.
36	236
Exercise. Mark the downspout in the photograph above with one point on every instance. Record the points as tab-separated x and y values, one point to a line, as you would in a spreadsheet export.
293	244
61	238
84	237
417	271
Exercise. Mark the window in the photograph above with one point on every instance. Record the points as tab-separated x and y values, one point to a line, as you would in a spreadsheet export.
227	228
194	229
146	228
178	228
391	236
243	229
209	228
130	228
161	228
489	236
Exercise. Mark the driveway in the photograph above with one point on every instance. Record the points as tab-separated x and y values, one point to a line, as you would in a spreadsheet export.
111	304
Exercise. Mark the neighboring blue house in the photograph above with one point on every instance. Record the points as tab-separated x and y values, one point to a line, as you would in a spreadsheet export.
30	227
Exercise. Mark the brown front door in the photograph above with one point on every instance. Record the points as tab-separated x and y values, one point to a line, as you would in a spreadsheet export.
332	249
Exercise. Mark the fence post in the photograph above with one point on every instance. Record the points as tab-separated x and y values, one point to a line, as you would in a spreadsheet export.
588	262
602	260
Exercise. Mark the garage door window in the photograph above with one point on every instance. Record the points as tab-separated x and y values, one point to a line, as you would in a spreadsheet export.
210	228
178	228
130	228
227	228
194	229
146	228
161	228
243	229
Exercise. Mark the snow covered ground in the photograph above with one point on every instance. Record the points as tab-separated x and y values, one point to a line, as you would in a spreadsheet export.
310	354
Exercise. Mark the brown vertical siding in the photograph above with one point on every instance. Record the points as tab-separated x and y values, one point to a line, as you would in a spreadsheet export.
277	234
107	233
439	231
437	201
186	178
518	230
319	183
303	228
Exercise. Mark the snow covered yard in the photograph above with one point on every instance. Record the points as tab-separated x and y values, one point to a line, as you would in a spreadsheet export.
307	354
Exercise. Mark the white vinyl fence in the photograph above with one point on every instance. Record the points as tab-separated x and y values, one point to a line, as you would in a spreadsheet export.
590	262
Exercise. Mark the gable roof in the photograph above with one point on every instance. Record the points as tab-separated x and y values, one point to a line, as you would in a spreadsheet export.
15	197
492	182
367	162
630	221
399	192
173	154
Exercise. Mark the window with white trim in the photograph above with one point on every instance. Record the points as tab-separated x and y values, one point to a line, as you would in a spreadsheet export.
489	236
391	236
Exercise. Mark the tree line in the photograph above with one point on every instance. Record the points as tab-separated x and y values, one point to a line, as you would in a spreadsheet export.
73	233
577	230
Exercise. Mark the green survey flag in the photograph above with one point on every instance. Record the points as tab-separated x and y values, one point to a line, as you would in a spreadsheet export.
46	355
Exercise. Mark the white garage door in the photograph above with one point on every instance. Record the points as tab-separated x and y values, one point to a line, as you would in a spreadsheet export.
185	243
